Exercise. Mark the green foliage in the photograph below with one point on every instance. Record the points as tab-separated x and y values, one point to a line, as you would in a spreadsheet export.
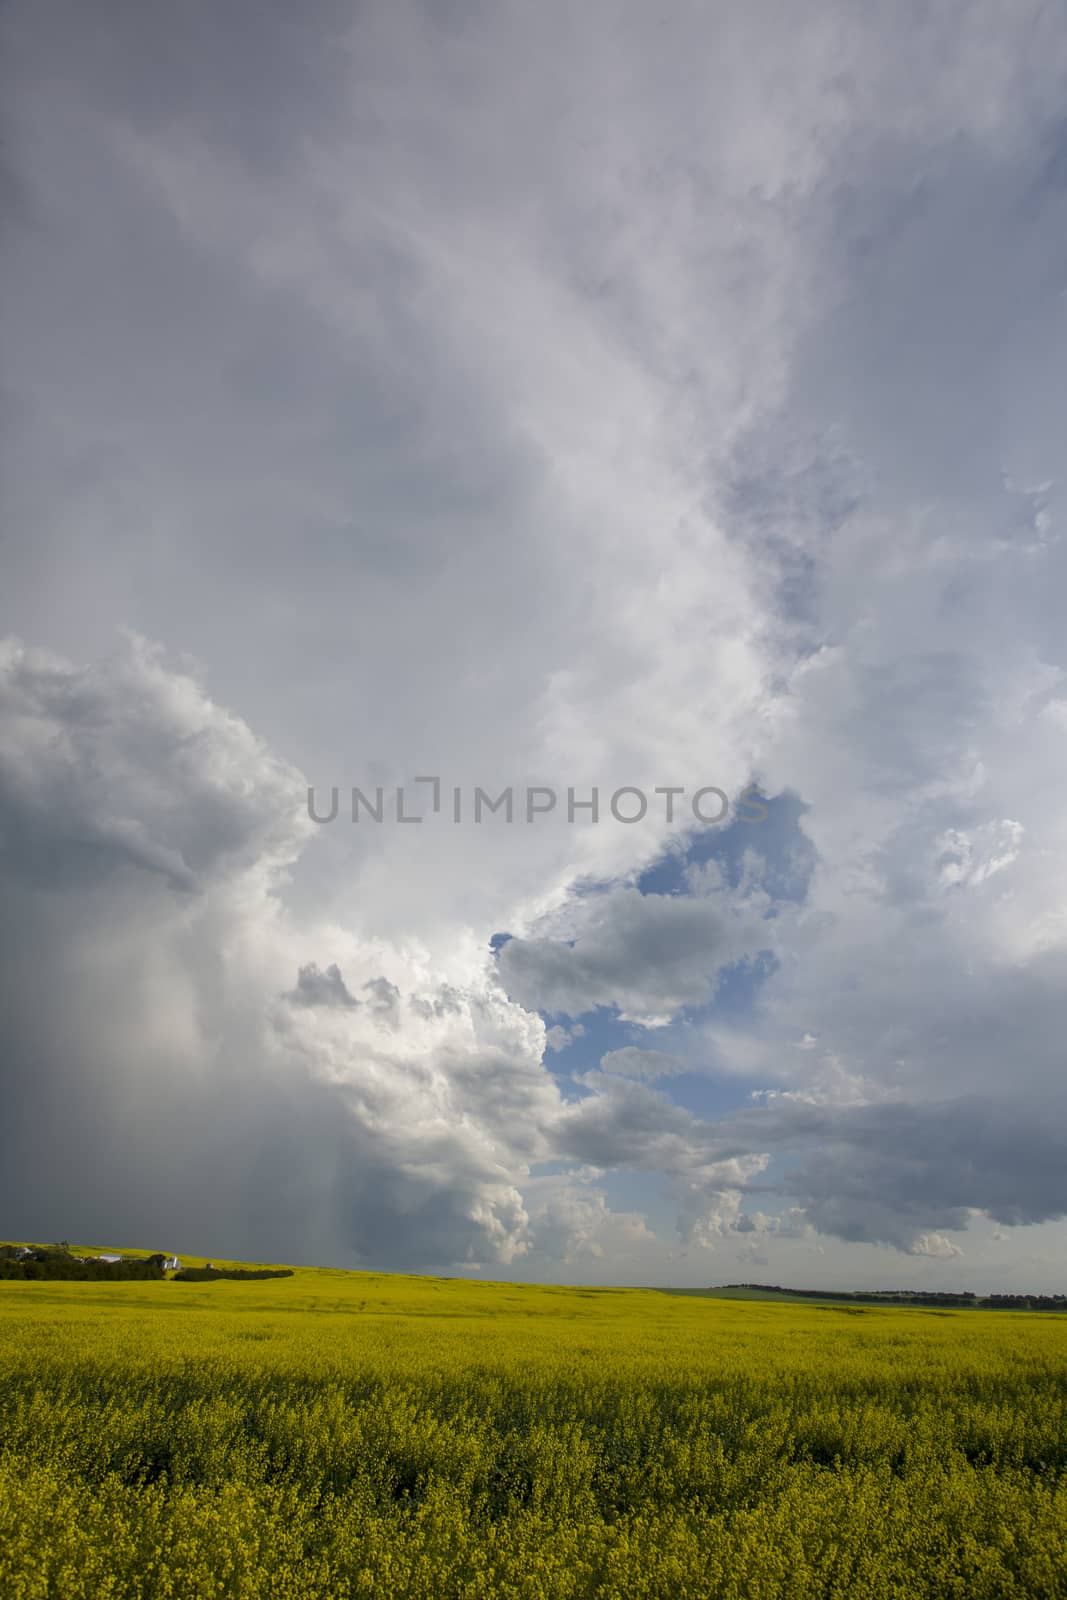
336	1435
210	1274
56	1263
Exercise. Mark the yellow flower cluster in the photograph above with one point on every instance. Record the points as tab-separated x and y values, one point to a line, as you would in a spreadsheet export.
337	1435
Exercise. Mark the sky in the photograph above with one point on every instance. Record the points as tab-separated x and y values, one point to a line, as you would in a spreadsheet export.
538	400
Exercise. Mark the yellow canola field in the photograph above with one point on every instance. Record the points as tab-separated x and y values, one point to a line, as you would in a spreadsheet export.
346	1434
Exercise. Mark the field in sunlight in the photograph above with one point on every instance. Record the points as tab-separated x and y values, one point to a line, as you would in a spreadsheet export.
336	1434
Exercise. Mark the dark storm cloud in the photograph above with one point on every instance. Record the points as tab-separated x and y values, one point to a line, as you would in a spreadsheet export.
147	1088
92	779
647	954
880	1174
887	1173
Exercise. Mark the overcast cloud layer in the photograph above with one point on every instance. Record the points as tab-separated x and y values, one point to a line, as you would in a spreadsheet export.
557	396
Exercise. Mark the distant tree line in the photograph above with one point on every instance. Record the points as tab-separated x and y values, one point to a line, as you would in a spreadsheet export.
57	1262
923	1297
208	1274
1026	1302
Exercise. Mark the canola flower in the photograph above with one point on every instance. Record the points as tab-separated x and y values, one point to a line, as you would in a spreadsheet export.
339	1434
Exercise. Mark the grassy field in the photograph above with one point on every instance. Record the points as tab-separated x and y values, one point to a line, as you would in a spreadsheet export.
340	1434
